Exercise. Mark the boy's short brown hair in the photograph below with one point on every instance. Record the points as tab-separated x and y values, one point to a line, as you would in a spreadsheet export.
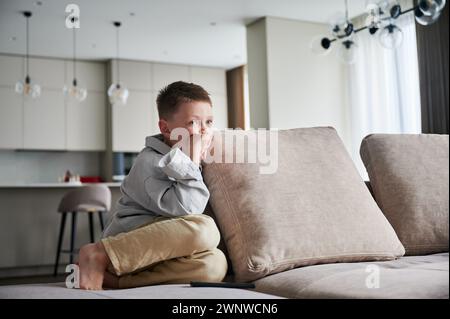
171	96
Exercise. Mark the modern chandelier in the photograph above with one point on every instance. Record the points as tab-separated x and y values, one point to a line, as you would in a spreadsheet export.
117	92
380	21
26	88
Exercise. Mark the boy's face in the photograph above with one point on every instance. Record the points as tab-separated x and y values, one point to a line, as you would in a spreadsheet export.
194	116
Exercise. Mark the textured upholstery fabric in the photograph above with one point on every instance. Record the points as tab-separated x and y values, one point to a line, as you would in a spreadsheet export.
409	176
314	209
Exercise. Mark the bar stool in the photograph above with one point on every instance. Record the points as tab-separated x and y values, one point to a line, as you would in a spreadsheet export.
86	199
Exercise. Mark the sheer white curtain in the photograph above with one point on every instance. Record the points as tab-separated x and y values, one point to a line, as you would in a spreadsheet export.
383	87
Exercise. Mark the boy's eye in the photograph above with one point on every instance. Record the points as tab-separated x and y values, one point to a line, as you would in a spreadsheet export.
209	122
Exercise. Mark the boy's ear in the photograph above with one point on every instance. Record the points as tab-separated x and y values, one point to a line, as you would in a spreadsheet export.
164	128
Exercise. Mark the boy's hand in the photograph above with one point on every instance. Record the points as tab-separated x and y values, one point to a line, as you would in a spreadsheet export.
194	147
206	144
199	145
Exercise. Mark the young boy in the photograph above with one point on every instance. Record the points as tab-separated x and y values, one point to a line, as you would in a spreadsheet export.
158	233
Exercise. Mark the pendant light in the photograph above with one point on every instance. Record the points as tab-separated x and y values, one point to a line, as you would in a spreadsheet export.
74	92
348	46
26	88
347	51
117	92
373	19
429	11
391	37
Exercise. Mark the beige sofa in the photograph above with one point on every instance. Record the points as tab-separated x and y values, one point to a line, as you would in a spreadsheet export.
291	233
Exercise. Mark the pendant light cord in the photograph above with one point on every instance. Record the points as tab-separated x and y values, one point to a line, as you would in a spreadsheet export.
27	45
117	52
74	55
346	10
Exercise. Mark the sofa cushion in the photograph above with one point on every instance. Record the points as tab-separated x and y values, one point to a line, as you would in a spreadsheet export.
178	291
314	209
409	177
407	277
209	212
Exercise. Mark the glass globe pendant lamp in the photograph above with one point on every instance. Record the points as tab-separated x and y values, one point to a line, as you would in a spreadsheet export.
27	88
74	91
117	92
347	51
391	36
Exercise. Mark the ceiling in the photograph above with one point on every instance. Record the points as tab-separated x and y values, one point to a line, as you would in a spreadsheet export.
199	32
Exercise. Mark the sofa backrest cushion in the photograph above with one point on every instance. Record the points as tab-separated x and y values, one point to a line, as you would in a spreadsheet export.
409	175
314	209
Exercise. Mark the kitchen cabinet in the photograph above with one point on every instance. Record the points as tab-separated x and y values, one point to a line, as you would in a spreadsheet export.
52	121
132	122
11	114
135	75
86	123
55	122
44	121
11	104
32	123
90	75
212	80
11	70
48	73
164	74
44	117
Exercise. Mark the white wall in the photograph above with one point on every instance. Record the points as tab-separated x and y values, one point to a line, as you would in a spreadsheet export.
257	75
290	86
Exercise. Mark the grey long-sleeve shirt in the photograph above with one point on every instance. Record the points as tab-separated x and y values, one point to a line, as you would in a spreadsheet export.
162	182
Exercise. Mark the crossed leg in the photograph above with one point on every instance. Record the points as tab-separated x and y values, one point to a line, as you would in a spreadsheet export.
210	266
169	250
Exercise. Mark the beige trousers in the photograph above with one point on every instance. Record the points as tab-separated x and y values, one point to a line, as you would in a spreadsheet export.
167	251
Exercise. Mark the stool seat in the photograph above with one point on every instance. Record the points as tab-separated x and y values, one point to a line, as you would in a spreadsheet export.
87	208
86	199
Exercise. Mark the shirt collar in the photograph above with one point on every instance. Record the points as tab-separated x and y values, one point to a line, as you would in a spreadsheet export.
156	142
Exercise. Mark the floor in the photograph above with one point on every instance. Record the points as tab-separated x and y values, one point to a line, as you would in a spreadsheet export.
32	280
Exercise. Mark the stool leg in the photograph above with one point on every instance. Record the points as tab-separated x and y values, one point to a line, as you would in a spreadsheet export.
60	239
72	236
100	217
91	227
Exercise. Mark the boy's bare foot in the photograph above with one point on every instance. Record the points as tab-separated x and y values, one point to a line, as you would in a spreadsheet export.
110	281
93	262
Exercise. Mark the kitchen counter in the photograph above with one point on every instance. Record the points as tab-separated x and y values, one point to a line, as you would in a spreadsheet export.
55	185
29	226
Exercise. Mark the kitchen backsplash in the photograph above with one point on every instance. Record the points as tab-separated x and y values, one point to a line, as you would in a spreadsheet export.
17	167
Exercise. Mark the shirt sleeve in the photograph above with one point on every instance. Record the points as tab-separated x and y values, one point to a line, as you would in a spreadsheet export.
178	166
185	193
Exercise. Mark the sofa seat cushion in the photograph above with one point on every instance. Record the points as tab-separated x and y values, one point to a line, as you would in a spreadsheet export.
407	277
59	291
